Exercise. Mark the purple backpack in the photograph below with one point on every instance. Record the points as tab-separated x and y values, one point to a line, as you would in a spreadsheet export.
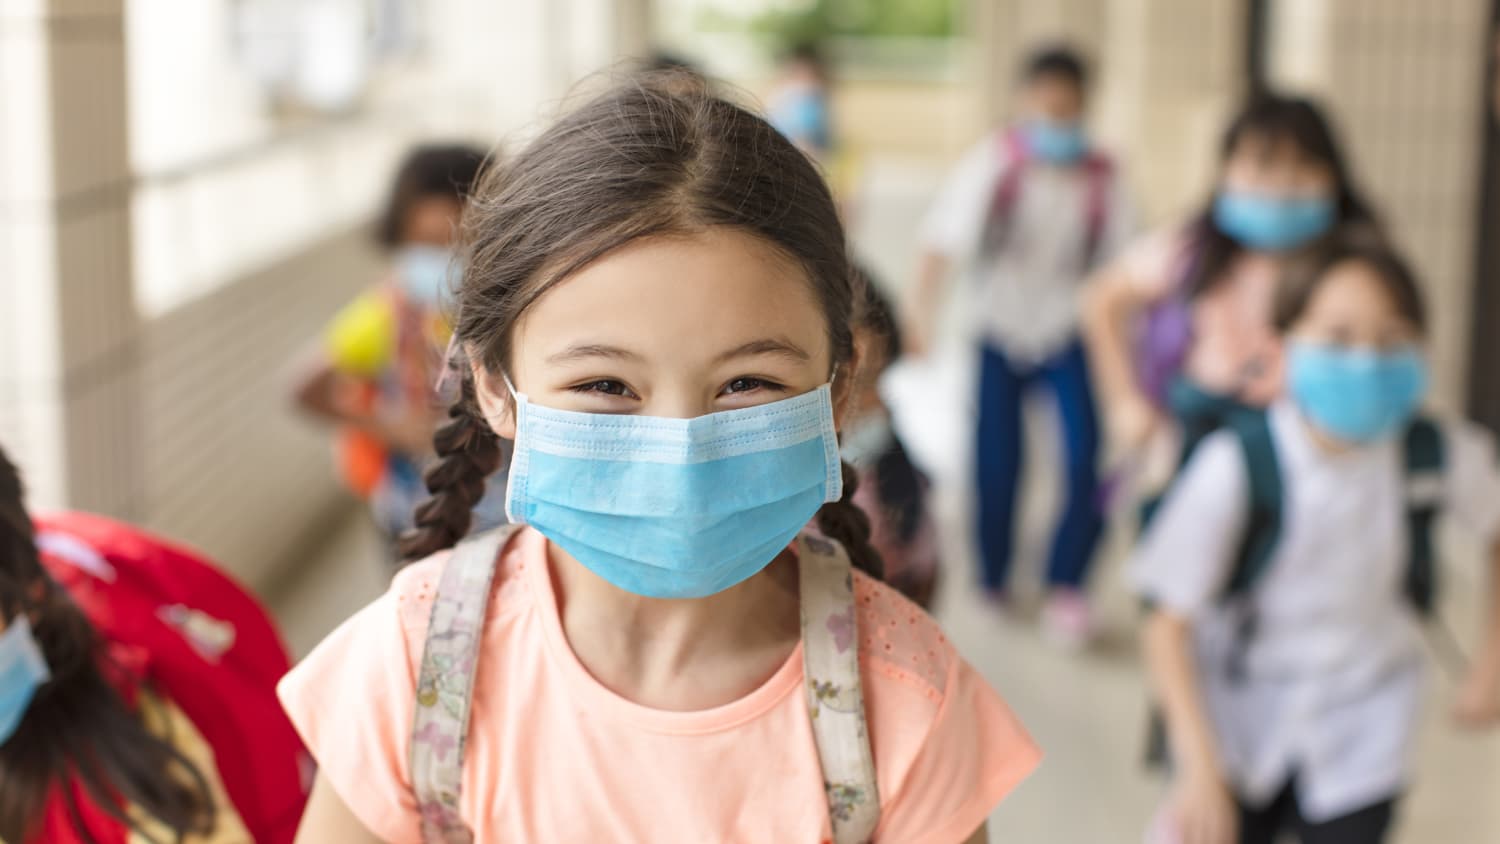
1164	332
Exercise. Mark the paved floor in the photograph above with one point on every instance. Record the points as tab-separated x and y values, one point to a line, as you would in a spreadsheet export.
1086	710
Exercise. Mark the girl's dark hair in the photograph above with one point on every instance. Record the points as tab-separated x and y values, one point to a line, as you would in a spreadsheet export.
1058	61
648	159
1304	276
77	728
438	170
1274	118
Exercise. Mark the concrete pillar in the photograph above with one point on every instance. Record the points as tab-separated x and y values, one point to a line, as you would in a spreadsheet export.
68	326
1173	71
1405	83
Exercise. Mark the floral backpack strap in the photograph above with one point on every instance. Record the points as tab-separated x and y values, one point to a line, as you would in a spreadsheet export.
445	684
830	660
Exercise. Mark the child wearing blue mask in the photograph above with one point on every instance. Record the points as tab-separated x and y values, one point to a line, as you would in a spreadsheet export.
382	354
1024	217
1179	327
1291	564
683	637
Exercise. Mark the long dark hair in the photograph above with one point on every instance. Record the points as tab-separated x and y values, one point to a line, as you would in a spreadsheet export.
1276	118
644	160
78	728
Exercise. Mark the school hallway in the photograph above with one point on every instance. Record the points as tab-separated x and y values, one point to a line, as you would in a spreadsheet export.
1086	710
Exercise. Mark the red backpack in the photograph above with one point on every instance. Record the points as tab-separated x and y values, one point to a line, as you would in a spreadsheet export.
208	646
1099	170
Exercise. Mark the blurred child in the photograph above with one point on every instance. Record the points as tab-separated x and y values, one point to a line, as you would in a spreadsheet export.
892	491
799	106
136	691
383	353
686	638
1291	564
1179	327
1025	215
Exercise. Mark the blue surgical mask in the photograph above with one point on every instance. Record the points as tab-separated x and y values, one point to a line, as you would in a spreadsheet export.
23	670
1055	143
428	274
675	508
1357	395
1270	223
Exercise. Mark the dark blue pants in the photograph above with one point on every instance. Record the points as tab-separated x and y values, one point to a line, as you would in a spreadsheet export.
1002	386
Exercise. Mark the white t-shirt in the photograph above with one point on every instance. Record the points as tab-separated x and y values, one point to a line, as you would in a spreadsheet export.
1333	674
1026	297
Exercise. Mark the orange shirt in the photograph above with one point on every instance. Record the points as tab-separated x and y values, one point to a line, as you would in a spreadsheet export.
553	755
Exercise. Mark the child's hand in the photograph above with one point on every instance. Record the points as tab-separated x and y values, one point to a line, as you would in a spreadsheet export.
1478	703
1132	423
1204	812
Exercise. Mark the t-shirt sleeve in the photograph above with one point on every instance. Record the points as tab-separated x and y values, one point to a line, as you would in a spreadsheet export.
1472	480
351	700
360	339
956	218
1185	555
1151	263
975	753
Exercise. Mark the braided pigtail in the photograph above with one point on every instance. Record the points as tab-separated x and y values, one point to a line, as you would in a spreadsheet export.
843	521
468	452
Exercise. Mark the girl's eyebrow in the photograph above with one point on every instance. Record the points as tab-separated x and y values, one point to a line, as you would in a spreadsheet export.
766	346
591	350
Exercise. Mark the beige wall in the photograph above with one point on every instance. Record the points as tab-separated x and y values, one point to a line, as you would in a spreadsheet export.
1405	81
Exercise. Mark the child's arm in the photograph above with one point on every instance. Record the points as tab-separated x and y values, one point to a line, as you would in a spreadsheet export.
328	819
1203	809
1478	703
1111	301
980	836
323	391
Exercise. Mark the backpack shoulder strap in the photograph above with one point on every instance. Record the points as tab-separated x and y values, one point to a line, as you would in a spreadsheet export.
1007	191
835	699
445	684
1423	458
1263	526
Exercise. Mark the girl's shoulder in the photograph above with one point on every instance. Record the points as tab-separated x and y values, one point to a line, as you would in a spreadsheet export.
899	643
415	587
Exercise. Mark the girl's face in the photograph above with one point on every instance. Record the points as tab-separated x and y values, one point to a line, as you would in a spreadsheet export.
673	327
430	221
1351	309
1276	167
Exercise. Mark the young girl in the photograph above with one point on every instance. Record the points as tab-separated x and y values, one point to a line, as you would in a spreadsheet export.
95	746
1290	564
1197	299
657	306
382	353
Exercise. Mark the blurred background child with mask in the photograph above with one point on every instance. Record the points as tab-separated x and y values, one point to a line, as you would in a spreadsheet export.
382	356
893	492
1024	217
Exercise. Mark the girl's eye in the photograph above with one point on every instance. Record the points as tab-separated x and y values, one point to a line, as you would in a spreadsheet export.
746	385
604	387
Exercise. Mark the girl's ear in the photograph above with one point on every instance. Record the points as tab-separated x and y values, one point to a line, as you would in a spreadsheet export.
495	402
845	379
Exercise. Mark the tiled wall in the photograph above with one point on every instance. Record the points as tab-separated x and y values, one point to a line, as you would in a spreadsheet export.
68	395
1405	82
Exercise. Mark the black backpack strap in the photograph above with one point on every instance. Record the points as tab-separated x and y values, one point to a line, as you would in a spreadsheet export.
1262	526
1424	457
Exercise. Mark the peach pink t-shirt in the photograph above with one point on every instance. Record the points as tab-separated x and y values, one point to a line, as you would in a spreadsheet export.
554	756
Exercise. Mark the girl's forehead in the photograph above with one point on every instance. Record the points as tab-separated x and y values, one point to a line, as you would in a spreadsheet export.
691	293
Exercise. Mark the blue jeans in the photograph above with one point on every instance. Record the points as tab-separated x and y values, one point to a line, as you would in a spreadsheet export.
1002	386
